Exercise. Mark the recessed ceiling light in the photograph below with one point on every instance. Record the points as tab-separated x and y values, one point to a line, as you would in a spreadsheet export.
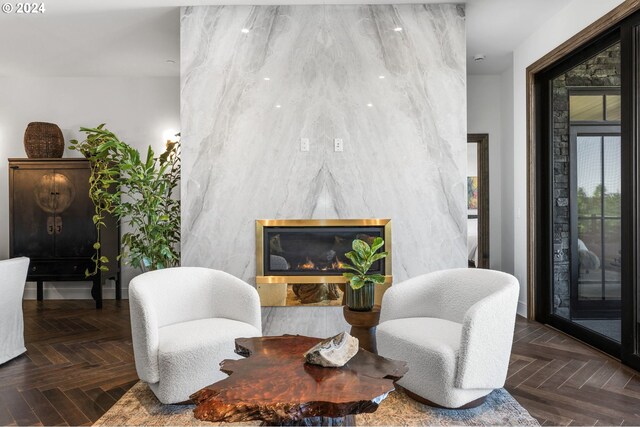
479	57
397	29
369	105
245	30
381	77
278	105
267	79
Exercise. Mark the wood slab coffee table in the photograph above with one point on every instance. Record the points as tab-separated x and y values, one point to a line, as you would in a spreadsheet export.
274	384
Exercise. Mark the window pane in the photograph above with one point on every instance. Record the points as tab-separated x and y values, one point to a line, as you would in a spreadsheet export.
612	258
613	108
589	171
586	107
612	184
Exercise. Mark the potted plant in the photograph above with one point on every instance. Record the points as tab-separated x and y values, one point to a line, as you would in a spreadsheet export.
361	286
138	191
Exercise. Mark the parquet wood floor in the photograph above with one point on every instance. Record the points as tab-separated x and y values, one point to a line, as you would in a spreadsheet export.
561	381
79	362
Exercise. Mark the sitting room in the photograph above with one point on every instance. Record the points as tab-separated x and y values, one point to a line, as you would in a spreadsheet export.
319	214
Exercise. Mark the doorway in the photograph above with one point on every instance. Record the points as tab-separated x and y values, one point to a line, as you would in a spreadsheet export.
478	200
584	184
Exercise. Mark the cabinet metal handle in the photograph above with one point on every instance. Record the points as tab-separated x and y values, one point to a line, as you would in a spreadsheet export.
58	225
50	222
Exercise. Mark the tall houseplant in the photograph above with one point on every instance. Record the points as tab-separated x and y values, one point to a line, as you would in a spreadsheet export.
138	191
361	286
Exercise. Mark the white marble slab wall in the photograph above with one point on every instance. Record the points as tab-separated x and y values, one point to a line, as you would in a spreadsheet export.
396	98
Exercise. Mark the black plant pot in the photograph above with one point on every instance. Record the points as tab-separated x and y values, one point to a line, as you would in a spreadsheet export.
360	299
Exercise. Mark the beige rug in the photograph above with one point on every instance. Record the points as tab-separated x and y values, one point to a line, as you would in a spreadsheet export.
140	407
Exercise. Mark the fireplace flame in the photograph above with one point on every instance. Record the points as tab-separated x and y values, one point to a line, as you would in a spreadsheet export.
309	265
337	264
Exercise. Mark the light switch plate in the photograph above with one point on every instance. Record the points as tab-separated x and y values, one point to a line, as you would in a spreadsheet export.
338	145
304	144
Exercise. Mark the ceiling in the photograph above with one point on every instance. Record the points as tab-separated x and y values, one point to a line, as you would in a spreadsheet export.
142	38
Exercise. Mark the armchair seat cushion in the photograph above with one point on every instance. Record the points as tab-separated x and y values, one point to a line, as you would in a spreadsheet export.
190	352
207	335
430	334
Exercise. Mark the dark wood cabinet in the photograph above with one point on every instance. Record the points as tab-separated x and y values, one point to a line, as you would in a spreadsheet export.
51	223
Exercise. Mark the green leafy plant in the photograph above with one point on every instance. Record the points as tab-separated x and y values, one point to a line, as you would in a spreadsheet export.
362	258
138	191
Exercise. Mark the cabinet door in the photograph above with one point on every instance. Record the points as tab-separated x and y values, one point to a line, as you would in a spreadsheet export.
33	210
75	233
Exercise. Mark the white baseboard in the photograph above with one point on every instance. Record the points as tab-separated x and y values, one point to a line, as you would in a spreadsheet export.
522	309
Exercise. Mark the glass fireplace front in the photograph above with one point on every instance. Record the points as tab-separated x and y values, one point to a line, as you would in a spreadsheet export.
316	248
309	250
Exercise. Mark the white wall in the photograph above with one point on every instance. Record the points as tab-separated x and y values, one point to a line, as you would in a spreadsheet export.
138	110
567	22
506	92
484	115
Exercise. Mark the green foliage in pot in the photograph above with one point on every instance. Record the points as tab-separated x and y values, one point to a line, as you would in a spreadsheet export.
362	258
138	191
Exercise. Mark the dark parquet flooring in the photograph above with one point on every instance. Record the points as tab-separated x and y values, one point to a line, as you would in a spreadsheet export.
79	362
561	381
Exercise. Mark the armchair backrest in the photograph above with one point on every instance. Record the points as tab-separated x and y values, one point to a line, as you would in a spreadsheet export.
445	294
460	289
175	295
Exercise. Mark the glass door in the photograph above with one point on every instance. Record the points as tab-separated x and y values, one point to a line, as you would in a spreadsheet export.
587	197
585	193
630	39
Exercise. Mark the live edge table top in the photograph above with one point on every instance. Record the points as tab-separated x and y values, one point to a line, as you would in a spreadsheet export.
274	384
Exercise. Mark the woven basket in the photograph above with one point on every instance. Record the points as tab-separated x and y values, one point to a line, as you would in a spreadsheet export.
43	141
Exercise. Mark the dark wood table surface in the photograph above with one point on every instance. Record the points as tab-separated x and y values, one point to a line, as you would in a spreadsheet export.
274	384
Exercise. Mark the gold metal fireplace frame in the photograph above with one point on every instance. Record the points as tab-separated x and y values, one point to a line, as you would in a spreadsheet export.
261	223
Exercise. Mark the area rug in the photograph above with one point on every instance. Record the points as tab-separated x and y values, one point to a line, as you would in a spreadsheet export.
140	407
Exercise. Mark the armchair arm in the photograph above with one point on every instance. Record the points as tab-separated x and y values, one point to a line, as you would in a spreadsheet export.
237	300
144	333
487	336
411	298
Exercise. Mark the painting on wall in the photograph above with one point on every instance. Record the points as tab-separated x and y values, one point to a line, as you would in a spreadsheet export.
472	192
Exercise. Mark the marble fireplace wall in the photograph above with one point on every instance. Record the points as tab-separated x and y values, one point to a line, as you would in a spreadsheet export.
396	98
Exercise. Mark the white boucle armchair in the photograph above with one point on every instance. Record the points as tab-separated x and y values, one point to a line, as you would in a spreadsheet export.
14	275
454	328
184	322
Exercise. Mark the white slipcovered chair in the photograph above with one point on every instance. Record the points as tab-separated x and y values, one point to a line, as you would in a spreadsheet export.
455	330
184	322
13	275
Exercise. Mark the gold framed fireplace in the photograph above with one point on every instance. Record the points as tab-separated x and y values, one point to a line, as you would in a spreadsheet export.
296	265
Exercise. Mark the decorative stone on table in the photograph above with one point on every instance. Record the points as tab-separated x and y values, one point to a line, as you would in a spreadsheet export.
333	352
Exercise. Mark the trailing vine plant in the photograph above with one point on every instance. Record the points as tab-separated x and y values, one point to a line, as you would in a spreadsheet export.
140	192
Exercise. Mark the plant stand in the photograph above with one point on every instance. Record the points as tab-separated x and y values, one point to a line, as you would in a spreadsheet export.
363	326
